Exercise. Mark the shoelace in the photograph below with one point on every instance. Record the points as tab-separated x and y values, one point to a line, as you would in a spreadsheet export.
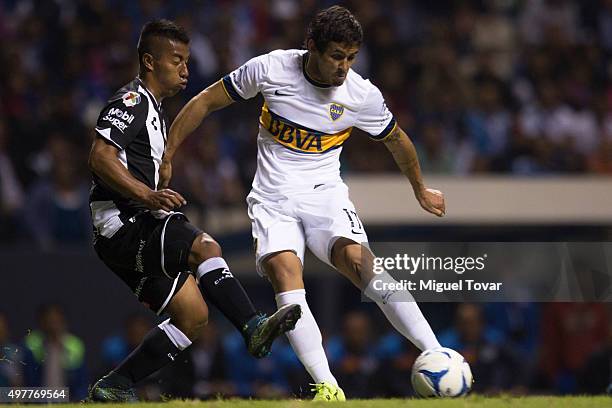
260	318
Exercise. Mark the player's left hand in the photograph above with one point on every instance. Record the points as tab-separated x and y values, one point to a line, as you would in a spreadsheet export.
165	174
432	201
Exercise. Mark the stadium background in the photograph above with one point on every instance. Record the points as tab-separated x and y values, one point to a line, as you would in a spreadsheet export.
500	91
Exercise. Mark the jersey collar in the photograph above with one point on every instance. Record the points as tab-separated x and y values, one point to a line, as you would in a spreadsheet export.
155	103
308	78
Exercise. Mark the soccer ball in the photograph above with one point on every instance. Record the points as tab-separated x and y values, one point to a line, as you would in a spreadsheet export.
441	372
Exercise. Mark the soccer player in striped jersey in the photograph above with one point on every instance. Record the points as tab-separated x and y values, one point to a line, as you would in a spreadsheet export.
139	236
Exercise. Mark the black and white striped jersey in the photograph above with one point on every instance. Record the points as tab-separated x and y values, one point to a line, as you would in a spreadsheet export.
134	123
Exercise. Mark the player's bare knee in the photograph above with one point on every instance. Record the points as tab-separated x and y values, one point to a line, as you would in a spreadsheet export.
360	261
282	274
346	255
352	260
204	247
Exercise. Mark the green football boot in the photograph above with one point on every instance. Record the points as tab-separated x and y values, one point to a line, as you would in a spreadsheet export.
110	389
328	392
261	331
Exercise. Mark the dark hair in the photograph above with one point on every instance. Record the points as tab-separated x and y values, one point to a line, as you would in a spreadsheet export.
159	28
337	24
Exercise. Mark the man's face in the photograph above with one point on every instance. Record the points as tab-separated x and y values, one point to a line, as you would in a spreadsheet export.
333	64
170	65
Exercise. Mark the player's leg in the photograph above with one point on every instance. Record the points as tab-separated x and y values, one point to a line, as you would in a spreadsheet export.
133	254
218	284
223	290
284	271
335	234
355	261
150	255
279	251
188	315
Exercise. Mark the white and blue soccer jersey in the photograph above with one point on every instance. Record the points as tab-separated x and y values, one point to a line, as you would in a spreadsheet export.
303	124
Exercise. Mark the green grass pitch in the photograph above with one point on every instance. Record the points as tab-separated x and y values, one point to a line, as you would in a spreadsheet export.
472	401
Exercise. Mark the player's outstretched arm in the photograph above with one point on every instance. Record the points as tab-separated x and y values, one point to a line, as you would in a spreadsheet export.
103	161
189	118
405	155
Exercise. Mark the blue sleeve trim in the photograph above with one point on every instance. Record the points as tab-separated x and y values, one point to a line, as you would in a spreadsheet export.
231	90
386	131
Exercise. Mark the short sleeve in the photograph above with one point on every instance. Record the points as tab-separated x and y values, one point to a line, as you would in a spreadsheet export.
121	120
245	82
374	117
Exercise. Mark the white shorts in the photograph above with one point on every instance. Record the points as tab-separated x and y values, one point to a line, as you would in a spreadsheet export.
315	218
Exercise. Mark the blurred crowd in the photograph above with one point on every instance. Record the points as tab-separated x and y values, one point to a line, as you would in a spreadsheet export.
504	86
520	349
499	86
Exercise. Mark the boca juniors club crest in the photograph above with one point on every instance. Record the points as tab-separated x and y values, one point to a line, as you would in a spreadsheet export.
335	111
131	99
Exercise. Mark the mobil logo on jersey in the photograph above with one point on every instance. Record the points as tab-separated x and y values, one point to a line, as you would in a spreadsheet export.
335	111
298	137
124	116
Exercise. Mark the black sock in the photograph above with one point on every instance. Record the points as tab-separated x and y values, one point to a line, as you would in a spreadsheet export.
227	294
155	351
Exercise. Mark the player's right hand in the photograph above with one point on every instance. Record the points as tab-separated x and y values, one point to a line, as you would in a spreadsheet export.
164	199
432	201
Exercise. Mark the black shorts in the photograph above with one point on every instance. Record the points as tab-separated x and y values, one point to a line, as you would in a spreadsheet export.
151	256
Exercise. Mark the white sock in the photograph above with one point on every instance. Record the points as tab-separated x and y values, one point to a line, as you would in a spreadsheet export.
176	336
306	339
402	311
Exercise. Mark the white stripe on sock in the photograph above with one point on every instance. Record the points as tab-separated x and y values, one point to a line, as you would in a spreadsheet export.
210	265
176	336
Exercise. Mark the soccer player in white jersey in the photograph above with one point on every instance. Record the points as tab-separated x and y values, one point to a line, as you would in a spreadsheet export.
313	99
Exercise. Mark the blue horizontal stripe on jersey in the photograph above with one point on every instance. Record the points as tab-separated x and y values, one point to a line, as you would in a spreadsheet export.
303	152
231	90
